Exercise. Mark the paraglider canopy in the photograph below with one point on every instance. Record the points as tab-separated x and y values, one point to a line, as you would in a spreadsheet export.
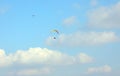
56	31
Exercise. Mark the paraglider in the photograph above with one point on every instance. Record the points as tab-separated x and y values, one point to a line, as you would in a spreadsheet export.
55	32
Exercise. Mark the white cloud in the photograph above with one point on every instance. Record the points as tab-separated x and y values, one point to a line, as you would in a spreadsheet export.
4	59
70	21
102	69
39	56
82	38
31	72
84	58
37	62
105	17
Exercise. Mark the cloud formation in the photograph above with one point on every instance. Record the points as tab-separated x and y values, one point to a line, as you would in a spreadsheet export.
4	59
41	56
102	69
105	17
37	56
82	38
37	61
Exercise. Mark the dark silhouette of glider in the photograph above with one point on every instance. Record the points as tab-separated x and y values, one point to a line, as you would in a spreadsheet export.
55	32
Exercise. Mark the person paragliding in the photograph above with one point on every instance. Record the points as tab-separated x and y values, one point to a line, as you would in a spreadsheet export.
55	32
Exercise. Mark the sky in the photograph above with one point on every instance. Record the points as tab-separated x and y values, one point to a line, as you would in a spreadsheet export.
88	43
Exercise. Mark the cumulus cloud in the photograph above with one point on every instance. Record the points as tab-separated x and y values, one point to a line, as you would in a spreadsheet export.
70	21
39	56
102	69
37	62
105	17
4	59
82	38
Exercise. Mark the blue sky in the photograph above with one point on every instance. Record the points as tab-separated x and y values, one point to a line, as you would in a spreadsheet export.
87	43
